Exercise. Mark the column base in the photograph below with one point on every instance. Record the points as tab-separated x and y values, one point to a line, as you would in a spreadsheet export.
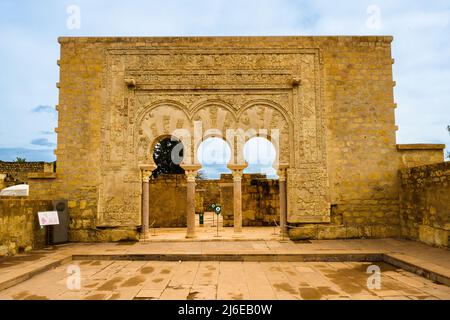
284	235
144	236
191	236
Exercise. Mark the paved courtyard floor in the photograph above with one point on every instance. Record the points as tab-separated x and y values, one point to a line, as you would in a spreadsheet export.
104	280
44	274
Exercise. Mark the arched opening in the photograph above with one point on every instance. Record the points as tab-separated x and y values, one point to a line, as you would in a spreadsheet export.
168	155
214	155
260	154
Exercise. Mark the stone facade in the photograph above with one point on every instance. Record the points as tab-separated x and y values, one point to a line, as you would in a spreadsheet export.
19	225
425	203
331	98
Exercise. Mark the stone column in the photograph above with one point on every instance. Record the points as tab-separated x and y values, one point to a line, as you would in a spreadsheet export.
237	195
145	214
283	199
191	174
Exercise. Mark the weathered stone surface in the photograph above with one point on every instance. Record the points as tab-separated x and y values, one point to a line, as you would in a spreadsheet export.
13	173
425	203
19	224
260	200
331	98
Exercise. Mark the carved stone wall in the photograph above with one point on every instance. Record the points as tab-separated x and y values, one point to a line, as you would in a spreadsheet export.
223	88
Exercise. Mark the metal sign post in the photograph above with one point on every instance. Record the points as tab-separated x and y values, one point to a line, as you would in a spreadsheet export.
213	206
217	211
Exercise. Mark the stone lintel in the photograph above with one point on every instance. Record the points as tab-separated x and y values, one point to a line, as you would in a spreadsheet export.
421	146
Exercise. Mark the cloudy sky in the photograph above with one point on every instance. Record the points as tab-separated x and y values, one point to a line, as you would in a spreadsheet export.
29	50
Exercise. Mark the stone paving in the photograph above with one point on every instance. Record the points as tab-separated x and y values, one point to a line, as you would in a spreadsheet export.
48	271
209	233
126	280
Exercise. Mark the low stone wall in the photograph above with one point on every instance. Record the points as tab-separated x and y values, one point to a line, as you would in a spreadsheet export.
19	225
260	200
425	203
168	201
414	155
13	173
355	219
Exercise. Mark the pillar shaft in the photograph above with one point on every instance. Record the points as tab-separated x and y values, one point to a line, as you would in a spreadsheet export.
146	172
191	173
283	199
237	206
283	206
190	208
237	170
145	207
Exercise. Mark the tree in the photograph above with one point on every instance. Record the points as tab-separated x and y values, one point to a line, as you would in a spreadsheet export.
202	175
167	156
21	160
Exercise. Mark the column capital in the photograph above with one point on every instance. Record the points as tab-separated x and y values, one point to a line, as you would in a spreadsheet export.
191	171
191	176
146	171
146	174
237	170
281	171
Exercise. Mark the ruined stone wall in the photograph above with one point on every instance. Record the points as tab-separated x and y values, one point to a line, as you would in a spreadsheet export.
425	203
260	200
414	155
42	185
106	124
331	98
168	201
2	181
13	173
19	225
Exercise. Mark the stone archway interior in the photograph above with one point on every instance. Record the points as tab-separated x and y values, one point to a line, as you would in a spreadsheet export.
260	154
213	154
